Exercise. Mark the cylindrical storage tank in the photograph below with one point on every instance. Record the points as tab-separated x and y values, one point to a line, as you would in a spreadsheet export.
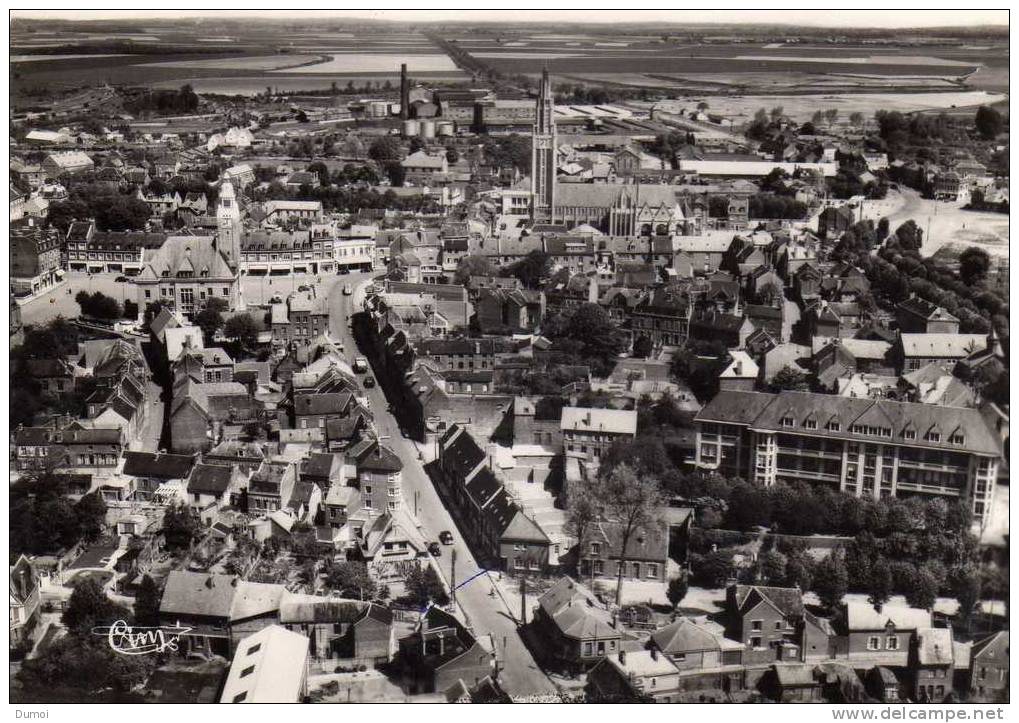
428	129
378	109
444	128
411	128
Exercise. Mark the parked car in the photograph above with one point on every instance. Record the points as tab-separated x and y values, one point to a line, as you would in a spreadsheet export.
121	280
434	550
360	364
369	382
348	290
446	537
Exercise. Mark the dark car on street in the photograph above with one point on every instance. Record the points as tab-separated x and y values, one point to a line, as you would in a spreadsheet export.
434	550
446	537
369	382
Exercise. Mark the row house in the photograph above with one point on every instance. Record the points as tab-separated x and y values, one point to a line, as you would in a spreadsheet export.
519	311
111	252
284	253
588	433
299	320
461	354
565	293
198	413
663	318
646	558
578	632
919	316
494	526
36	263
866	447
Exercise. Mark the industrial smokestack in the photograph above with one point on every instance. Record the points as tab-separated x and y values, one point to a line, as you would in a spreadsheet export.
404	93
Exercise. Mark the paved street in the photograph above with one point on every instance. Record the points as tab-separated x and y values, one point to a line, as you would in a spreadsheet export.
487	611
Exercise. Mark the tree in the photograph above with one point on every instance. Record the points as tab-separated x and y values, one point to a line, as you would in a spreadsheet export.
351	579
581	512
146	603
416	144
424	586
966	583
473	265
88	607
383	149
98	305
633	504
773	566
974	263
799	570
856	118
532	268
989	122
880	584
714	569
678	587
396	174
90	512
210	318
452	156
910	236
242	328
180	527
923	593
788	379
831	580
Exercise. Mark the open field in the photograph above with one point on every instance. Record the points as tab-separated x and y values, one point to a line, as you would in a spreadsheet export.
379	63
741	108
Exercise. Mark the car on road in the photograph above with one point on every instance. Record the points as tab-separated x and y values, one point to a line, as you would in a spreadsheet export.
369	382
348	290
434	550
446	537
360	364
121	280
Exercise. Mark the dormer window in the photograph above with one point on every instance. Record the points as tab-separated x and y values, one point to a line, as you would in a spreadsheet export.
909	433
810	423
933	436
787	421
834	425
957	438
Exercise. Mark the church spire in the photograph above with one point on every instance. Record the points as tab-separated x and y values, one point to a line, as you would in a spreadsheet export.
543	152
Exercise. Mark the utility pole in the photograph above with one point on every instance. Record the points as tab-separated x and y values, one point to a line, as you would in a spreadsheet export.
523	600
452	576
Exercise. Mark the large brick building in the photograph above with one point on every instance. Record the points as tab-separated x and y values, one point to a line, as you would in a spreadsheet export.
865	447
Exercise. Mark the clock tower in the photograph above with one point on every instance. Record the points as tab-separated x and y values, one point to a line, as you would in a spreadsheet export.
543	154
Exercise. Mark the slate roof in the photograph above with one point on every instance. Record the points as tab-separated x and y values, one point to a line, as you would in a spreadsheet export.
765	412
198	593
212	479
948	346
788	600
684	636
575	612
934	646
862	616
159	465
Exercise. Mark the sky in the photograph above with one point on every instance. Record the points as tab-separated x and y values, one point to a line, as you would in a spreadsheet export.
870	18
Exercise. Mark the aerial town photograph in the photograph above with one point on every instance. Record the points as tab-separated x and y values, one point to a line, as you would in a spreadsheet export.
505	356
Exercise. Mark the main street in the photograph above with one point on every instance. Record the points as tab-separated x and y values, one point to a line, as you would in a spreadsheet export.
486	610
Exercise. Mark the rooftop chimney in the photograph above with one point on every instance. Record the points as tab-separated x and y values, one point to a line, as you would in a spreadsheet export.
404	93
622	657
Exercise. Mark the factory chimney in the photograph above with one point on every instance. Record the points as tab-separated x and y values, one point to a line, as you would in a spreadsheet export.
404	93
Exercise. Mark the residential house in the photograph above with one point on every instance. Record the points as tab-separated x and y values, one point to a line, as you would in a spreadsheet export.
932	660
213	485
152	470
919	316
646	558
792	683
589	433
24	602
989	664
766	620
35	259
270	487
577	632
867	637
914	351
706	659
353	631
441	651
509	312
636	675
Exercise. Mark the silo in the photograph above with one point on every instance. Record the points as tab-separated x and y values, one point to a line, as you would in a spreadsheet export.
411	128
444	128
428	129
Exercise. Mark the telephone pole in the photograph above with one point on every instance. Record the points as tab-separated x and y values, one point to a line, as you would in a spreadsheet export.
452	576
523	600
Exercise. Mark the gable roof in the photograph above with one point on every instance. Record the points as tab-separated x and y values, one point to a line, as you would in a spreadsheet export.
158	465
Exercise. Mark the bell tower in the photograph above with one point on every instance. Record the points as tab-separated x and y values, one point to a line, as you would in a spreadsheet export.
543	154
228	218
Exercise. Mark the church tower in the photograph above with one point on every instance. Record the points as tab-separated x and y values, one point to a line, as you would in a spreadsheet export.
228	218
543	154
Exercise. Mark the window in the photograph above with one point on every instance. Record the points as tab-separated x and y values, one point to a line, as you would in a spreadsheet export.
148	293
909	434
756	624
595	548
240	696
787	421
934	436
587	649
778	625
892	642
755	642
247	671
873	643
652	570
957	438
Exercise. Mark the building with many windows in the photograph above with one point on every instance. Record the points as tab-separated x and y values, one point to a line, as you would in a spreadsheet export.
874	448
185	271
